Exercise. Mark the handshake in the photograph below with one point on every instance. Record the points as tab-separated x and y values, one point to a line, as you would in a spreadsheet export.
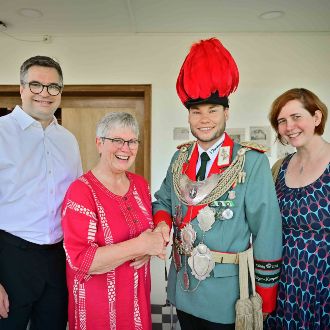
153	243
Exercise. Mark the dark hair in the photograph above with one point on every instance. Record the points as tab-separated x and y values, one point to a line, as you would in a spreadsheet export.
38	60
309	100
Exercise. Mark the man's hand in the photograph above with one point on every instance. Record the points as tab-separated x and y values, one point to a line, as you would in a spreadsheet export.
264	315
4	303
152	243
140	261
164	229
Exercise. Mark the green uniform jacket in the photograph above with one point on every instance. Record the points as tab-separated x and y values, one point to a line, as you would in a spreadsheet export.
256	215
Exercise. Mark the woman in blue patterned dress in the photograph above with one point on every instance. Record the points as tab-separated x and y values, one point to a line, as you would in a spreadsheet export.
303	190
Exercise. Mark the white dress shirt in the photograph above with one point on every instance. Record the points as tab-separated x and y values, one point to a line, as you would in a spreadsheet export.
212	153
36	168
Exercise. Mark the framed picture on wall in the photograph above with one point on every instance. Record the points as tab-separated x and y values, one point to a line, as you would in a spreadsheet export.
237	134
261	135
181	133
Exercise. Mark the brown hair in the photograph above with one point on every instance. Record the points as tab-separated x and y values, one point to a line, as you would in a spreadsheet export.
309	100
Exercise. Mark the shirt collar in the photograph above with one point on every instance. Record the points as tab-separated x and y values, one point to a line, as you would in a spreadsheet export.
213	150
24	120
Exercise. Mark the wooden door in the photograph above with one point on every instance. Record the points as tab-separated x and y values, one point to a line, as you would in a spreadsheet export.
82	123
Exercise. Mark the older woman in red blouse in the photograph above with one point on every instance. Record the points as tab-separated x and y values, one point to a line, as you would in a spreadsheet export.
107	225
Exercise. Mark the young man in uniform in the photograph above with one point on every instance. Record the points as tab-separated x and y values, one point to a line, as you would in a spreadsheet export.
217	196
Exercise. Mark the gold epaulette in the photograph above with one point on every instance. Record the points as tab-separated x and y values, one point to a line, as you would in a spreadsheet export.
254	146
185	144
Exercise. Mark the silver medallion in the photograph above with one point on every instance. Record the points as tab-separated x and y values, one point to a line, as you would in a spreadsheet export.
205	218
188	236
201	262
193	192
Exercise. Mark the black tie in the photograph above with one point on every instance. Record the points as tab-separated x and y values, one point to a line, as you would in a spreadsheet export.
201	172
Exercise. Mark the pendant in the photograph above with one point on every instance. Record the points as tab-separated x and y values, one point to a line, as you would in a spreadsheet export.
188	236
186	280
201	262
205	218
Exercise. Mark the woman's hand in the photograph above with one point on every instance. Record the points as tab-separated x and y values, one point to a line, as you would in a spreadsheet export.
152	242
136	249
4	303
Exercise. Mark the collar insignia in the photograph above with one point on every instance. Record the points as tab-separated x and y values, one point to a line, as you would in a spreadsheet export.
223	158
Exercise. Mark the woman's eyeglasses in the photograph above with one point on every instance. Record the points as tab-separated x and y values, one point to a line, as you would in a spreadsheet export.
119	143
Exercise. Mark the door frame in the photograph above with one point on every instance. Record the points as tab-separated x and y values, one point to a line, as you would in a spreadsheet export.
9	95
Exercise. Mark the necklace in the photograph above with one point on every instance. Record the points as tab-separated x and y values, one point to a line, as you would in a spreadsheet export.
314	157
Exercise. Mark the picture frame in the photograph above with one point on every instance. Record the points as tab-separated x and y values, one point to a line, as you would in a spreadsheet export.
261	135
237	134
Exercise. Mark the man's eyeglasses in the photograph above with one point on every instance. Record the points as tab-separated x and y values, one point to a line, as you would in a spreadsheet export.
37	88
119	143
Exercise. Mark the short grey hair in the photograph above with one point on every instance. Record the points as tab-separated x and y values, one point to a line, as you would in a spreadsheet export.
115	120
43	61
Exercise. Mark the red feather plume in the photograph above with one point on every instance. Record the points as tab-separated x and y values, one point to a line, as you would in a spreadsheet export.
209	67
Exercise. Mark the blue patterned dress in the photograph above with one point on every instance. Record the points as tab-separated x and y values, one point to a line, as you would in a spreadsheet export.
303	297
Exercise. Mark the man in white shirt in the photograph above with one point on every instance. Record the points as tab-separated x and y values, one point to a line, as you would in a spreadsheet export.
38	160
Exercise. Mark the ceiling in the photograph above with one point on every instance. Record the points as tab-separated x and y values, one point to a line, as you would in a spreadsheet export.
76	17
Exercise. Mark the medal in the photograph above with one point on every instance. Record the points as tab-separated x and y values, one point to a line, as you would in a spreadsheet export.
205	218
227	213
228	203
231	194
201	262
188	236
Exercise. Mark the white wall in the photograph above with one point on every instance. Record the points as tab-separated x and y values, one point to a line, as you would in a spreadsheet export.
269	64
